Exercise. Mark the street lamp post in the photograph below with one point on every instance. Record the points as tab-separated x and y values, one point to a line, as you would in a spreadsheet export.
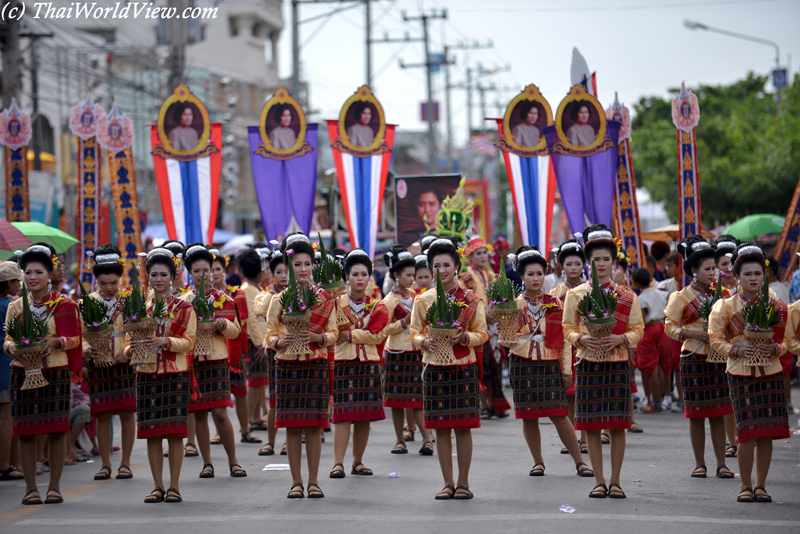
694	25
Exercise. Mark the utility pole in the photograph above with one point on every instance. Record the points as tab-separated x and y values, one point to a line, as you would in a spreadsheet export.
177	46
35	119
9	39
295	50
424	18
369	42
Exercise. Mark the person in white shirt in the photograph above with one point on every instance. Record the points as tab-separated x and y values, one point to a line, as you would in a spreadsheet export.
654	345
669	286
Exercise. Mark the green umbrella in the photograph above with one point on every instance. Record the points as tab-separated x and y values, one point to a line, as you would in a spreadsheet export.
754	226
36	232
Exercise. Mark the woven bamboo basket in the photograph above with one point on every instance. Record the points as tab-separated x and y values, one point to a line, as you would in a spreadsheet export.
714	356
754	339
296	325
31	359
507	324
443	355
139	333
204	340
341	317
599	329
100	341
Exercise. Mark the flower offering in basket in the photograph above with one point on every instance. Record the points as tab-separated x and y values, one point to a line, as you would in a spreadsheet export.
597	311
97	332
297	301
759	318
328	276
28	333
137	324
443	316
502	294
705	312
205	306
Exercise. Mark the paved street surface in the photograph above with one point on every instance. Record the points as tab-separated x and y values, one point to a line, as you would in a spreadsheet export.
661	495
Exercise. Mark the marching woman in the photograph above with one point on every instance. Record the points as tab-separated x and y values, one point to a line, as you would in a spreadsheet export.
423	278
211	370
477	278
235	347
573	261
705	387
724	247
450	392
44	411
759	400
162	388
602	389
357	391
791	341
280	277
402	363
112	389
302	382
540	366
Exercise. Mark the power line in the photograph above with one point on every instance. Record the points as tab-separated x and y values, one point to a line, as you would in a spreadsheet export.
633	7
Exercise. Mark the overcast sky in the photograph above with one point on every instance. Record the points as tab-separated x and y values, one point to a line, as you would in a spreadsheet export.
637	47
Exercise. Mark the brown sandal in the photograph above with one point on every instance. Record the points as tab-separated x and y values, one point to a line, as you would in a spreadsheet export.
207	472
745	495
104	473
337	471
190	450
600	491
315	492
124	472
701	471
584	470
157	495
249	438
447	493
763	496
727	473
584	447
173	495
360	469
237	471
605	437
56	498
267	450
426	449
462	493
616	493
537	471
296	493
400	448
730	450
32	497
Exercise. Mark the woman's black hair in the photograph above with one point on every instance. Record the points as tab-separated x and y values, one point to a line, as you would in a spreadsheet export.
393	261
99	269
357	256
426	241
748	253
249	263
279	109
576	108
298	246
161	259
200	253
38	256
274	260
569	248
176	247
443	246
358	108
603	243
180	107
529	259
694	250
525	108
421	262
721	251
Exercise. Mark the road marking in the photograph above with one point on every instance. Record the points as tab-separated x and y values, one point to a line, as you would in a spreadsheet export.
24	510
405	518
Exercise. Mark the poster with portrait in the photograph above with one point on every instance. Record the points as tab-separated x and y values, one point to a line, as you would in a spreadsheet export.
419	199
184	128
580	125
282	128
523	124
362	125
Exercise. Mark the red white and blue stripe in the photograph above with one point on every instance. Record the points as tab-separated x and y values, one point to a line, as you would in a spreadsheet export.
362	182
189	192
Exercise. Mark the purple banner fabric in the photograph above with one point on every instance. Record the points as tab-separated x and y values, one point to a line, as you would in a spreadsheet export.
285	188
586	183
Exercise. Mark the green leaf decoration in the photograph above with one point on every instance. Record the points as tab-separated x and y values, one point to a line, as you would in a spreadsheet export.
599	304
502	292
134	307
93	311
27	330
328	273
444	312
297	300
204	308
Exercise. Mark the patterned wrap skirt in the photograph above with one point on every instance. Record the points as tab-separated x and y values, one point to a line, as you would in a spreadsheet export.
271	366
493	377
256	372
41	410
538	389
162	403
402	379
238	381
213	385
357	391
450	397
602	395
111	389
759	405
705	388
302	393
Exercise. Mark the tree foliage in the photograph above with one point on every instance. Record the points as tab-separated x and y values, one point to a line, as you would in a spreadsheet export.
749	160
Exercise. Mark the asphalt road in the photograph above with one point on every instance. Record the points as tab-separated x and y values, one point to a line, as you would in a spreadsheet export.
661	495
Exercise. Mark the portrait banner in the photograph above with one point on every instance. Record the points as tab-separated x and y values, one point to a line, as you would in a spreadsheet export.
15	133
788	245
126	211
626	207
583	153
89	200
362	142
186	149
418	200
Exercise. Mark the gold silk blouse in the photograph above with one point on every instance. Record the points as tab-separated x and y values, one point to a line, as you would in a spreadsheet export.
256	329
791	339
275	330
365	334
531	349
674	322
56	358
397	331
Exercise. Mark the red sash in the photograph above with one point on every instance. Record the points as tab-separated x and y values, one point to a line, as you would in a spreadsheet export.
623	313
237	346
68	324
554	329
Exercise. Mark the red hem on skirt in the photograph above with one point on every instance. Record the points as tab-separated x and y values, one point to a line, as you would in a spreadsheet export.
257	383
456	425
127	404
310	423
767	433
703	414
169	432
402	404
197	406
501	404
239	392
273	402
352	418
37	430
608	425
537	414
